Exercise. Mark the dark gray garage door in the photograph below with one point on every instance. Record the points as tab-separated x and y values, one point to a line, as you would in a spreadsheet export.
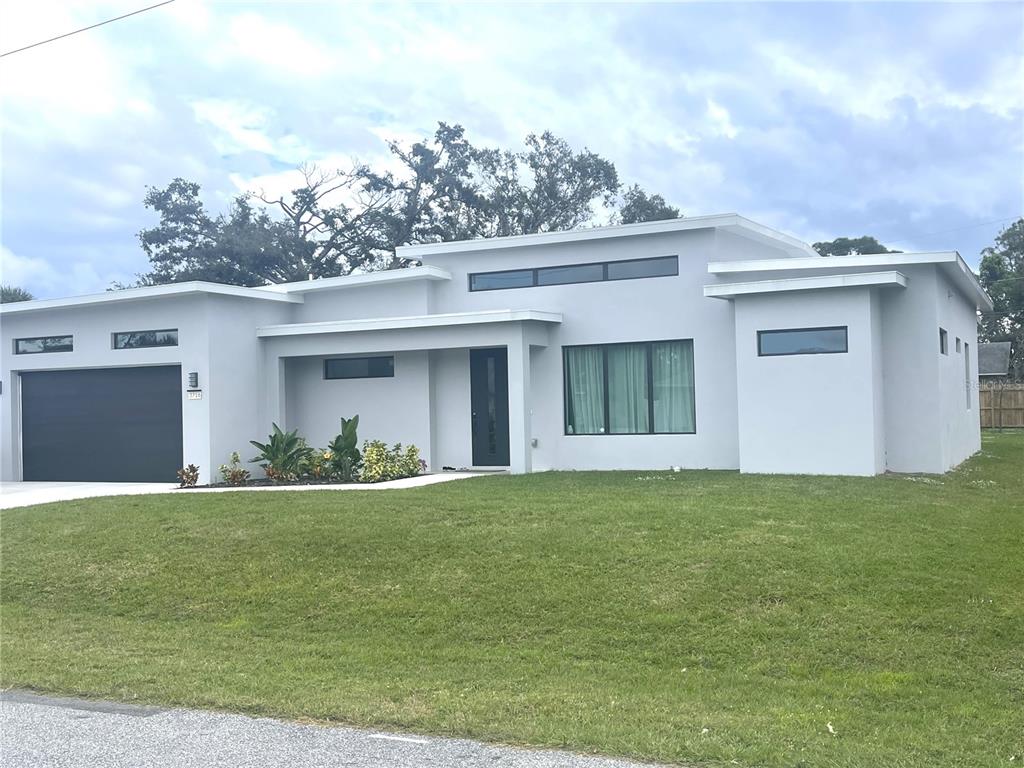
108	424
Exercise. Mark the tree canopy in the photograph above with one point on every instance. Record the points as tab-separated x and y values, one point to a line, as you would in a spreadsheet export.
1001	273
851	246
638	206
338	221
12	293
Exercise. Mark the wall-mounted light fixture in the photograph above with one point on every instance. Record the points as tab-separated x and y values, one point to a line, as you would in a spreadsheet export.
193	380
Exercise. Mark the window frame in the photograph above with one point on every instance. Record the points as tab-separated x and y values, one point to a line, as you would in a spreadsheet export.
968	381
535	280
328	360
115	334
943	341
606	404
767	331
18	351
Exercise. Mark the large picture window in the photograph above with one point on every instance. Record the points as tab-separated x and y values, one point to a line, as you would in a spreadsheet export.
630	389
802	341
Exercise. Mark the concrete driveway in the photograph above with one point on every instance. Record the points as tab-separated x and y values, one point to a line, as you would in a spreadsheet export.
44	732
27	494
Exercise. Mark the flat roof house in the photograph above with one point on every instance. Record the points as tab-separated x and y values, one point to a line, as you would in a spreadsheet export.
700	342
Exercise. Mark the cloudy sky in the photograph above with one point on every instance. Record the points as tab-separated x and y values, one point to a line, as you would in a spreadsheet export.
904	121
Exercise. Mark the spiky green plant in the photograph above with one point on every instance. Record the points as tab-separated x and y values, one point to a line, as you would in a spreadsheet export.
345	456
282	456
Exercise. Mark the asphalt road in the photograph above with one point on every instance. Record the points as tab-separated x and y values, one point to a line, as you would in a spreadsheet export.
44	732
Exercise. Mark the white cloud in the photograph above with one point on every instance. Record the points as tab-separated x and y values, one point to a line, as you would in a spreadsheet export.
720	119
277	47
229	97
25	270
68	90
870	85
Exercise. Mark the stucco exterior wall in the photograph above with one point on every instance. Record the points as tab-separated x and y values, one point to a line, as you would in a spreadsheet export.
92	327
958	417
233	382
394	410
367	301
621	311
811	414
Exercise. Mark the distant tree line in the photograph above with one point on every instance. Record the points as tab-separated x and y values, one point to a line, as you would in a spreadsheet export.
340	221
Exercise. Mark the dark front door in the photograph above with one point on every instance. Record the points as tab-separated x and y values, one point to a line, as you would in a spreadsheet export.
102	425
488	394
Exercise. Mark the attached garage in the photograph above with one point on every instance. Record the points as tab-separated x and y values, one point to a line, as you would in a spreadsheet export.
102	424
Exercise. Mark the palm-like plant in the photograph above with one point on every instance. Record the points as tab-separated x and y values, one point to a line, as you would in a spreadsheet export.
345	456
282	456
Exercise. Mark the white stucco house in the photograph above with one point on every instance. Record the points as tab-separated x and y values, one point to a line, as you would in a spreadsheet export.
706	342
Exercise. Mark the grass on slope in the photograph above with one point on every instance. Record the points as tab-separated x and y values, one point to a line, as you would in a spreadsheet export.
702	617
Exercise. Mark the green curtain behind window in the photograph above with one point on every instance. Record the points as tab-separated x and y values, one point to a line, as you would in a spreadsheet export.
586	390
672	370
627	389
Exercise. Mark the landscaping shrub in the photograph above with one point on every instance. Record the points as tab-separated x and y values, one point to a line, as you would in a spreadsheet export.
283	455
317	465
381	463
344	455
233	472
188	477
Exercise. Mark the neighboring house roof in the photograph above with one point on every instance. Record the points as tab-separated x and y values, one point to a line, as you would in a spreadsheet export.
949	261
994	358
727	221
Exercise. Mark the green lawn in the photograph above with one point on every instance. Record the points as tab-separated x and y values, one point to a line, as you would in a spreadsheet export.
701	617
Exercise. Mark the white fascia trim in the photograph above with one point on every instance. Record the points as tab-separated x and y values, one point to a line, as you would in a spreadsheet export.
147	292
951	261
830	262
406	274
732	290
416	321
731	220
960	271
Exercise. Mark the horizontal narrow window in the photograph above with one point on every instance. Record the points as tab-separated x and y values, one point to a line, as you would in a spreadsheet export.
38	344
575	273
566	274
630	389
138	339
665	266
802	341
490	281
360	367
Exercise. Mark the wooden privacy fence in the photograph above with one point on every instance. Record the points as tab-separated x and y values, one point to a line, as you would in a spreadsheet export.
1001	404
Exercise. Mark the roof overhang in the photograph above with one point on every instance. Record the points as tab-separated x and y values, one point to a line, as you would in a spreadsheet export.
727	221
405	323
146	293
822	282
950	262
386	277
